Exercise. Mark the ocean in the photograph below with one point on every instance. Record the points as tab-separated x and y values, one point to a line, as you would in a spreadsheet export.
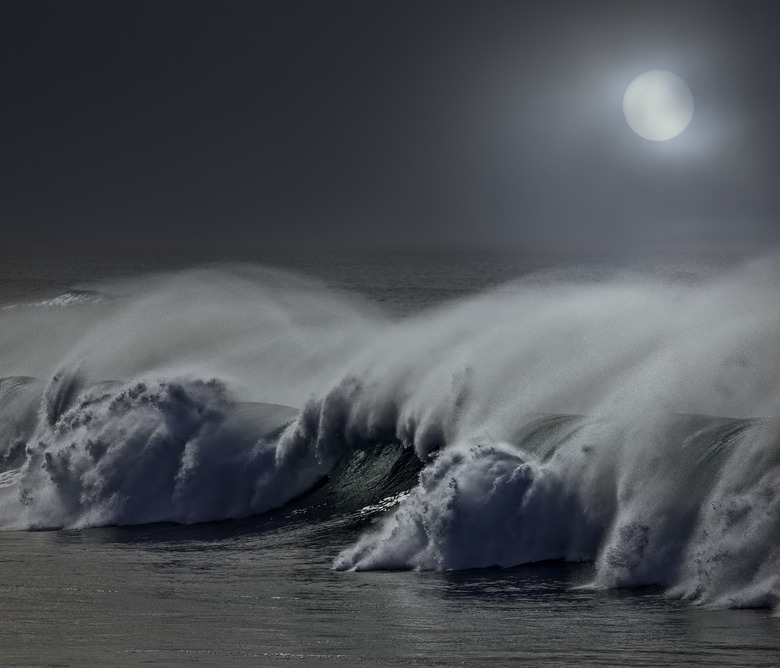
390	459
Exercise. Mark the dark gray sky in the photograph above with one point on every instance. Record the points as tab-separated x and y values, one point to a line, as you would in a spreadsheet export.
224	125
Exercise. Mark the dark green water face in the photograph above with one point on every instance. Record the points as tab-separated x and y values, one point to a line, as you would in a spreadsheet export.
256	594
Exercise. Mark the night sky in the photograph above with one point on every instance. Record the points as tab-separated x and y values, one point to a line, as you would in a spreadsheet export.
373	124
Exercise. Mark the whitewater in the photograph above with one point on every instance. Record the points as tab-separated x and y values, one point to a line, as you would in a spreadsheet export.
629	421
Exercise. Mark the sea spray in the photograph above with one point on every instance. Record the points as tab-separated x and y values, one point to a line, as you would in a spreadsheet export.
275	336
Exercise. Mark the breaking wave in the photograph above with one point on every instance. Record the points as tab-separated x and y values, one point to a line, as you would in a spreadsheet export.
632	422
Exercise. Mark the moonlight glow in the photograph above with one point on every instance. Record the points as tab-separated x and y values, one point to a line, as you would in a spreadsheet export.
658	105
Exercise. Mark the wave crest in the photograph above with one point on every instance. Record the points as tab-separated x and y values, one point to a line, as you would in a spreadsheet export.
153	451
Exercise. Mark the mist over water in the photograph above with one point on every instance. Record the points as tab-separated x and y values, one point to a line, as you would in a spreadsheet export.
626	419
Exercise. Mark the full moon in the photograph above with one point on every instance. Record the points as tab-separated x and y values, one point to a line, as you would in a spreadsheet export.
658	105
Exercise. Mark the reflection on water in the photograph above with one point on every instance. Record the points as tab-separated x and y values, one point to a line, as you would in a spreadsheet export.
253	592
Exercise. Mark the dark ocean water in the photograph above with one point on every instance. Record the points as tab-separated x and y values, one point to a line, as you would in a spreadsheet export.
409	460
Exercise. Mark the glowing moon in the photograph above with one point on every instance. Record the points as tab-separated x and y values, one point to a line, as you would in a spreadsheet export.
658	105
